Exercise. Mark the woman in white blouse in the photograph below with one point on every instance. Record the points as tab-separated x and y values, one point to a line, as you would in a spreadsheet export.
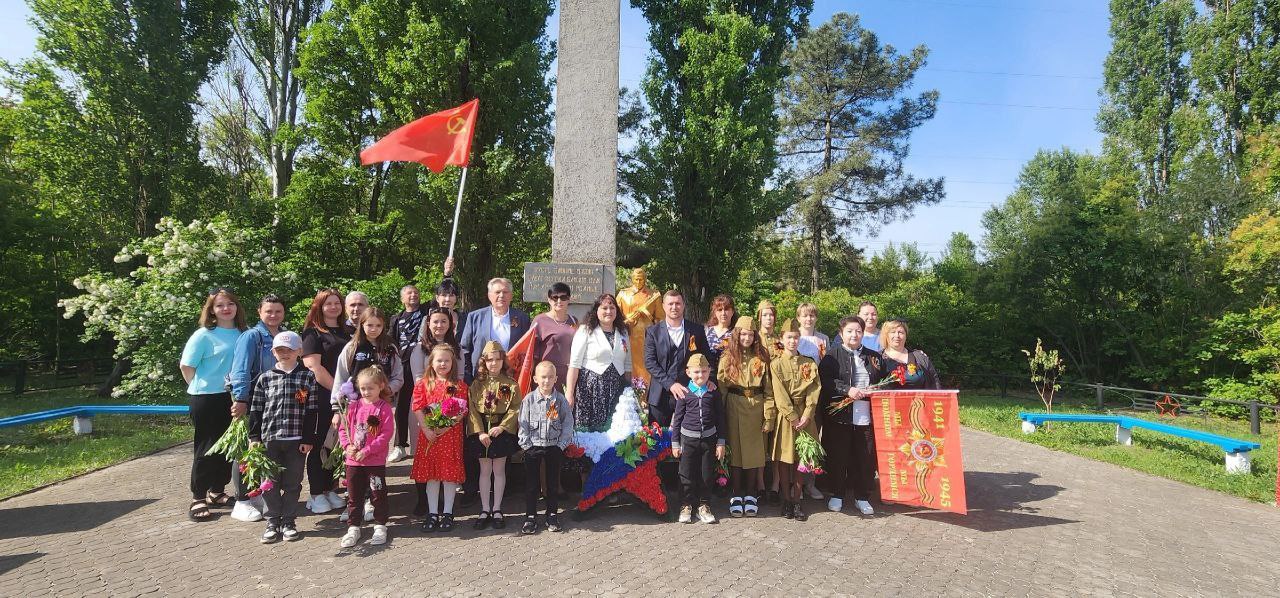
599	367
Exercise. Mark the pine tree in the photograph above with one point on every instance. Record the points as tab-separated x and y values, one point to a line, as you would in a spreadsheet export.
846	125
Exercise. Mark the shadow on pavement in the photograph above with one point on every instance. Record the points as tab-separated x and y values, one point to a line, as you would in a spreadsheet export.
43	520
998	502
10	562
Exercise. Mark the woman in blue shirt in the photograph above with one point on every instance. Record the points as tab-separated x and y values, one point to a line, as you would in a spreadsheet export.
205	364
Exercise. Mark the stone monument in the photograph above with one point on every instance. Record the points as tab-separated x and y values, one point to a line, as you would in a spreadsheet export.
584	207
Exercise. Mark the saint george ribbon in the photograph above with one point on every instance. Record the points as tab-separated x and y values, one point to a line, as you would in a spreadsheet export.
435	140
918	448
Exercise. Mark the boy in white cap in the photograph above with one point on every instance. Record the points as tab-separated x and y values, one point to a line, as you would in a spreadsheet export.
283	415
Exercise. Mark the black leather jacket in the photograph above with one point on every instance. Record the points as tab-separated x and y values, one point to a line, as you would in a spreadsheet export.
836	371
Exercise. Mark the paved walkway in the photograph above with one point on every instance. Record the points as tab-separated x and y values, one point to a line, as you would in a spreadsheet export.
1042	523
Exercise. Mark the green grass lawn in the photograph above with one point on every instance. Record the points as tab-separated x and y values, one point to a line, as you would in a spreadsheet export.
38	454
1159	454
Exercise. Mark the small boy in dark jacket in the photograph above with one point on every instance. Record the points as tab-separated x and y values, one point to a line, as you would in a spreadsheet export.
697	439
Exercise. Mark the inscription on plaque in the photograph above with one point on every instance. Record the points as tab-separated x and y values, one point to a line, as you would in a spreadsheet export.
587	281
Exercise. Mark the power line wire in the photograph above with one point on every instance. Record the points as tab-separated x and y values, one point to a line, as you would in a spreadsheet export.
1003	105
1019	6
1011	74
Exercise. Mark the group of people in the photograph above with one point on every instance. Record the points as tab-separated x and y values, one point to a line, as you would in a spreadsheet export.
436	385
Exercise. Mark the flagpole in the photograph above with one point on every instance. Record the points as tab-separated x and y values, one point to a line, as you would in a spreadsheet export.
457	211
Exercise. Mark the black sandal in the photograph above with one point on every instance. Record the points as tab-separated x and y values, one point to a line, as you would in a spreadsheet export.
218	500
198	511
446	522
483	521
499	521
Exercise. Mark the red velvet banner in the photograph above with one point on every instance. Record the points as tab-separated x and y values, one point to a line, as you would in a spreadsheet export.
918	448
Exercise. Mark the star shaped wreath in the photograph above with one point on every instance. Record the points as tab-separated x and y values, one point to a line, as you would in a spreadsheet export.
622	471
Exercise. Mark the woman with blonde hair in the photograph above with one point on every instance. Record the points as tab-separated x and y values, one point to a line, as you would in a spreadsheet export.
920	372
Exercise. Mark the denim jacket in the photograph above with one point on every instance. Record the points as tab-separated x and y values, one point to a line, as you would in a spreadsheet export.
252	356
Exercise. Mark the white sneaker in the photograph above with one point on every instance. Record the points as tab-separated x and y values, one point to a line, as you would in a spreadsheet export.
865	507
686	514
352	536
705	516
245	511
814	492
368	511
379	535
319	504
396	454
335	501
835	504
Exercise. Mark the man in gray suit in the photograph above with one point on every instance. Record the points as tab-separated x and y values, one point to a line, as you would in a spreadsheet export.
497	322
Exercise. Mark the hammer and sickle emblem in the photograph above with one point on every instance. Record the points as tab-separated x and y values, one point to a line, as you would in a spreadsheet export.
456	125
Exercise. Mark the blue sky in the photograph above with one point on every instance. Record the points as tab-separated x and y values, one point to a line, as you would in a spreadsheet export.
1015	76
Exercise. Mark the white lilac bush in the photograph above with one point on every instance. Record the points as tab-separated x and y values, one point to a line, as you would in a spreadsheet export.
151	311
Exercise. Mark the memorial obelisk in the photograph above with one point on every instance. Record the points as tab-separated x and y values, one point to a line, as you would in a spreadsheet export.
584	208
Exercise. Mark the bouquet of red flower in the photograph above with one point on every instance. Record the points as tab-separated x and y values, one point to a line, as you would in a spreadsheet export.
809	454
444	414
234	442
722	469
257	469
898	375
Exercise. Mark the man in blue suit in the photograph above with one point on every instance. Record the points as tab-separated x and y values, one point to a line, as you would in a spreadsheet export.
667	347
497	322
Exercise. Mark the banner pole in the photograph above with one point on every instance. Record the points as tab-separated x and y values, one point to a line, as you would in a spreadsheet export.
457	211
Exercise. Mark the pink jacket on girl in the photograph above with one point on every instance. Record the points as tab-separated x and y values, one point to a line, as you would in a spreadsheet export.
369	427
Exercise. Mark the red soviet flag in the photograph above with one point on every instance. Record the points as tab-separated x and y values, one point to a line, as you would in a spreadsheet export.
434	140
521	359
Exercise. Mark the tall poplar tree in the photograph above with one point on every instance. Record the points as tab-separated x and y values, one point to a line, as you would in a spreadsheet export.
700	174
1147	90
1235	60
137	67
268	34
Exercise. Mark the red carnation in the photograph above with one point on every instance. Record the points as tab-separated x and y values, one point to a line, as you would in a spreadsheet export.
901	374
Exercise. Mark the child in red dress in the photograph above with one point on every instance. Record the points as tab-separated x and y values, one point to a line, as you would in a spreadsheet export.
438	461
